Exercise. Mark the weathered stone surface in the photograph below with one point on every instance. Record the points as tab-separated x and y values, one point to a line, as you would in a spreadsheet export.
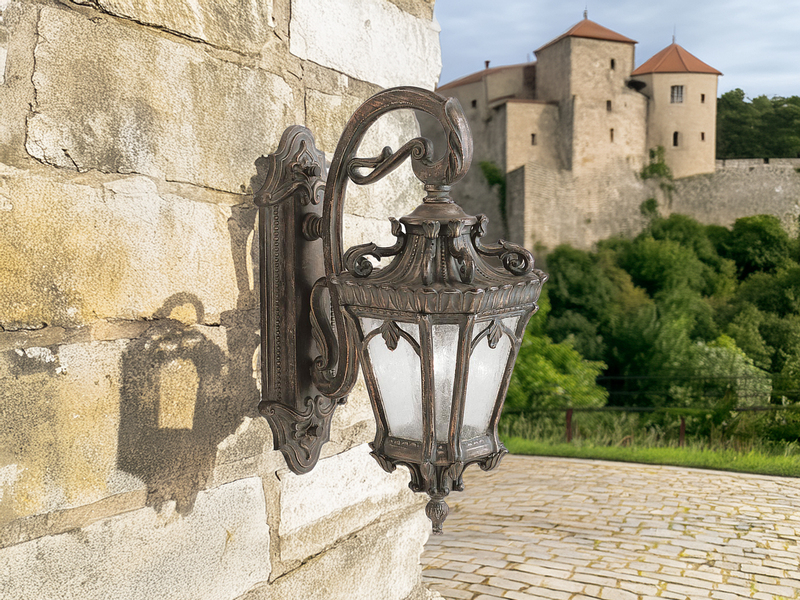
120	99
3	44
218	551
170	413
353	424
73	253
419	8
60	521
60	412
379	561
242	25
372	40
341	495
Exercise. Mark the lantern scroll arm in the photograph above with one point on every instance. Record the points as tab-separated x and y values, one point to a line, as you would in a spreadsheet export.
356	261
516	259
336	378
419	149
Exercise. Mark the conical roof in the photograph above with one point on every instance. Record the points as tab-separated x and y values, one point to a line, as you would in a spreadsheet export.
674	59
590	29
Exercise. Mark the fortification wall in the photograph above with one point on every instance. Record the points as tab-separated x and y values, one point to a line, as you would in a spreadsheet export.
738	190
133	462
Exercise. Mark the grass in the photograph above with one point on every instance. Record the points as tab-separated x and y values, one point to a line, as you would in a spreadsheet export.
627	437
752	461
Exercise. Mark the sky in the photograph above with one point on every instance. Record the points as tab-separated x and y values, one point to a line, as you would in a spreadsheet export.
755	43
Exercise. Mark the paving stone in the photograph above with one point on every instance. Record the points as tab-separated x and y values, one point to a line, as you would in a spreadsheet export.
573	529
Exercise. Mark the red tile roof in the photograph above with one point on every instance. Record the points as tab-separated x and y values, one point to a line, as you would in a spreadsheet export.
590	29
475	77
674	59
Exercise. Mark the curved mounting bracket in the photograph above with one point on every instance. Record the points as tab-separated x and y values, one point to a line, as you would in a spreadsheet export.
290	262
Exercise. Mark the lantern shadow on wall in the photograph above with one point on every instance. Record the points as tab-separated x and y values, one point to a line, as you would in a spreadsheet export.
181	396
436	331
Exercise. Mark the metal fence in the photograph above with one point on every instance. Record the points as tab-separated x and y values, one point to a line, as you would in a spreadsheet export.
576	425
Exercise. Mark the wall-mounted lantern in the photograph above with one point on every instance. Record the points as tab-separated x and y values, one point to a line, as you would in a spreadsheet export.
436	331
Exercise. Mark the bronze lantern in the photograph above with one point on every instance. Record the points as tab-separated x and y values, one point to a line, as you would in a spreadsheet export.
436	331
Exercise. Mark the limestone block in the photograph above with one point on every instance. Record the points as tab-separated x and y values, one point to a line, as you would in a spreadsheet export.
71	253
218	551
340	496
379	561
241	25
419	8
353	424
3	44
371	40
61	413
122	99
170	413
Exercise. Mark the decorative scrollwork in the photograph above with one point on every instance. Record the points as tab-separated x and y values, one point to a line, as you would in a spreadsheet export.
296	170
356	261
392	333
437	176
491	461
420	149
516	259
300	434
322	331
494	331
459	149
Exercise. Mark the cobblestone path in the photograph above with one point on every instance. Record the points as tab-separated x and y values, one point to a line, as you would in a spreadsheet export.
575	529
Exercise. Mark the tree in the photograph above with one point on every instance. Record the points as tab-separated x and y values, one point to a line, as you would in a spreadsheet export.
549	375
758	243
761	128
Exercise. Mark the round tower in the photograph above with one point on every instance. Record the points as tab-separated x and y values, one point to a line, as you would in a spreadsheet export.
682	115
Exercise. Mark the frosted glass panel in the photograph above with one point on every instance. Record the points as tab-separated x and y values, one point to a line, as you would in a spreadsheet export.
511	323
399	378
486	368
445	352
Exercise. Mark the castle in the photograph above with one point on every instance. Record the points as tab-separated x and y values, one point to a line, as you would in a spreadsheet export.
573	130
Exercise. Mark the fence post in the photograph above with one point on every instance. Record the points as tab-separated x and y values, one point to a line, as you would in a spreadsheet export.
569	425
682	440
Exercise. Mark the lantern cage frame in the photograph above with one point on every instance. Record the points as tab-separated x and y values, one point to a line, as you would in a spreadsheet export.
323	313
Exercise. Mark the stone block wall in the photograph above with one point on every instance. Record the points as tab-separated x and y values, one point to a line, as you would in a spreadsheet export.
133	462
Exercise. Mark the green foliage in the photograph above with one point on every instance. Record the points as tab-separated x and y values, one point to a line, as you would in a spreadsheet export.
649	209
668	302
495	176
657	167
758	243
761	128
549	374
687	317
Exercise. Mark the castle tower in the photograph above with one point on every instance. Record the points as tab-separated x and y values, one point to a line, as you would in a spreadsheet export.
602	122
682	109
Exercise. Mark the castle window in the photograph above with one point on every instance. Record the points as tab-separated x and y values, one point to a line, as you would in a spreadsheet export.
474	104
675	139
533	139
676	95
702	98
611	134
702	136
613	64
608	105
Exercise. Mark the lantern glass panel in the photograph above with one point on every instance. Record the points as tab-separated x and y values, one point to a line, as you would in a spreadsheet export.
487	366
399	377
445	354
